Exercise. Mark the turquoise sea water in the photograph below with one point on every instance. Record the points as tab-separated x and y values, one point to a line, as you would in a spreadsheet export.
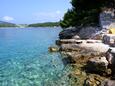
25	60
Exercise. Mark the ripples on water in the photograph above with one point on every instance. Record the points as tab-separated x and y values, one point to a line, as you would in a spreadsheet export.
25	61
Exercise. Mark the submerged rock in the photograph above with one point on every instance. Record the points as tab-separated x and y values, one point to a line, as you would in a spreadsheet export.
53	49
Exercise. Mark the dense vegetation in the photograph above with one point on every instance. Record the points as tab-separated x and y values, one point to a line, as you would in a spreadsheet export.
47	24
7	24
85	12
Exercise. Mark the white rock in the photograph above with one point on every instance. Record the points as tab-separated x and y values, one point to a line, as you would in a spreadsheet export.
93	47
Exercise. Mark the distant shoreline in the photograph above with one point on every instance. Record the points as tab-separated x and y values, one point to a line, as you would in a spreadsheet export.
32	27
36	25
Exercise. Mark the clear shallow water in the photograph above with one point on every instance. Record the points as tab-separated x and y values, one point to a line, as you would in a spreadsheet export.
25	60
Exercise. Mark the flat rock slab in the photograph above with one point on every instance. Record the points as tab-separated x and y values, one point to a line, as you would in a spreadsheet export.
74	41
93	41
90	47
69	41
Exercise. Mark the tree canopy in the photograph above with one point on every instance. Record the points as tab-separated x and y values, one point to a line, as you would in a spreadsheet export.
46	24
85	12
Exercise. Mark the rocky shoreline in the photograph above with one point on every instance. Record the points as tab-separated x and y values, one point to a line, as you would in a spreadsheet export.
87	55
90	50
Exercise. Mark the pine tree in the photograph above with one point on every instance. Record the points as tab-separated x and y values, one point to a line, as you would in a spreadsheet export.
85	12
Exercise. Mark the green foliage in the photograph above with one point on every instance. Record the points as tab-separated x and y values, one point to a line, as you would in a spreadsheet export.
47	24
8	25
85	12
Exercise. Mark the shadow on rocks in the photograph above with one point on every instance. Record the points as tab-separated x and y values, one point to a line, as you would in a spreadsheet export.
68	60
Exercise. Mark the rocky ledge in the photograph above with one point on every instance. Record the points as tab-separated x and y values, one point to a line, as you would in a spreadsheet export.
91	52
